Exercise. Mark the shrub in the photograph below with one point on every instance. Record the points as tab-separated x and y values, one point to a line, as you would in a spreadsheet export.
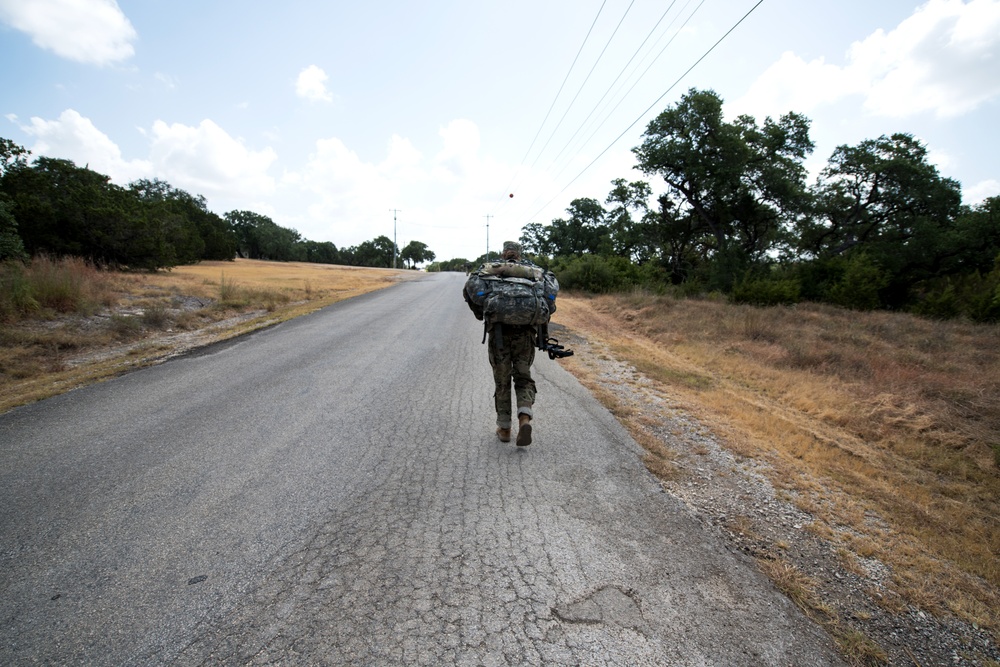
767	291
939	302
601	275
68	285
859	286
155	315
11	246
125	326
974	296
16	298
57	284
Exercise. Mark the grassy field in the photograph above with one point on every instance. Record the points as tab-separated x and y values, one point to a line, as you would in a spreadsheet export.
64	324
883	427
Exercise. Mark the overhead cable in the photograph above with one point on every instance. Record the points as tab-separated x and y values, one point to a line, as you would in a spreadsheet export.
629	91
582	85
558	92
623	98
650	107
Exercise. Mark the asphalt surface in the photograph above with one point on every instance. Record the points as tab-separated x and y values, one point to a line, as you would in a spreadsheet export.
331	491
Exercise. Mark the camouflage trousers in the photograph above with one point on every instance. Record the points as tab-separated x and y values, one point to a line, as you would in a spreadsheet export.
512	364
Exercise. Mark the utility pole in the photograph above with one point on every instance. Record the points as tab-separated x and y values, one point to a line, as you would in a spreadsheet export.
488	216
394	252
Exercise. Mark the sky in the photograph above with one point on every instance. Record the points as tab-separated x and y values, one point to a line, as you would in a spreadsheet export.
417	121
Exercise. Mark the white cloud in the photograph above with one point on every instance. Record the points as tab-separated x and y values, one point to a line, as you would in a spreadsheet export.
341	194
459	155
942	159
311	85
942	59
342	198
792	84
87	31
169	82
403	160
73	137
202	160
977	193
206	160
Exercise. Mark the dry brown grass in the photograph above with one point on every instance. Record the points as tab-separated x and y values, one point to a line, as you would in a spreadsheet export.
884	426
125	320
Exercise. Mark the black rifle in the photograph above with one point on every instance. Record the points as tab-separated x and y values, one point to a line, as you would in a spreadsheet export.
551	345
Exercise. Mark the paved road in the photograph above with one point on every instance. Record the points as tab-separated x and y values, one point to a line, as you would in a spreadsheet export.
330	491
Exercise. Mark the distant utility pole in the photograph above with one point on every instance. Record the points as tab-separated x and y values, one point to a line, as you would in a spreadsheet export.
394	211
488	216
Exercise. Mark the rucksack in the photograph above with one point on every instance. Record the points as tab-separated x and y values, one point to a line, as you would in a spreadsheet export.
512	293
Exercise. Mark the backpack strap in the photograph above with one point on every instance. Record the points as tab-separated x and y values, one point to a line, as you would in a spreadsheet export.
498	337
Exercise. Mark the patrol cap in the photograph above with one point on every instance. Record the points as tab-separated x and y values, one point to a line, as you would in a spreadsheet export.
512	246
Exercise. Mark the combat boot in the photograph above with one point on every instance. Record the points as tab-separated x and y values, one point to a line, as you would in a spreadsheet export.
503	434
523	430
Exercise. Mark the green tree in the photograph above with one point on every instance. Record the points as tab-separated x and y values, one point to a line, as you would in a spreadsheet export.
377	252
259	237
454	264
629	238
11	246
169	212
416	252
583	233
677	237
11	155
884	199
742	183
977	237
62	209
535	239
319	252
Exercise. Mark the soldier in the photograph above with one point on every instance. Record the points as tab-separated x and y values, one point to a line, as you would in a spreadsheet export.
511	353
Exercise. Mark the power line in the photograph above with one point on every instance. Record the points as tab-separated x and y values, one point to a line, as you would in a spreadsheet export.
623	98
629	91
619	76
582	85
558	92
655	102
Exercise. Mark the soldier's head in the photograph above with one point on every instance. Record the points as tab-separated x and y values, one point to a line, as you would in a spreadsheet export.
511	250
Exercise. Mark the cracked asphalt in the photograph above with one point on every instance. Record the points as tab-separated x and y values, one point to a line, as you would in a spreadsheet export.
330	491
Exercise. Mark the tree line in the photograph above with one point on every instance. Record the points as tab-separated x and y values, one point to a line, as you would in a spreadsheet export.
879	228
51	206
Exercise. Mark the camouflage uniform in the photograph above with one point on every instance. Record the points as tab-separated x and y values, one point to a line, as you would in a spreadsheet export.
511	353
512	362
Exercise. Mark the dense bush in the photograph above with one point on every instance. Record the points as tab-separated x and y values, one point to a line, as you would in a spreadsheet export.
768	291
859	284
594	273
11	246
975	296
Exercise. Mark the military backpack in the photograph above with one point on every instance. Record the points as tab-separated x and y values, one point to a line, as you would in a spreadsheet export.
516	293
